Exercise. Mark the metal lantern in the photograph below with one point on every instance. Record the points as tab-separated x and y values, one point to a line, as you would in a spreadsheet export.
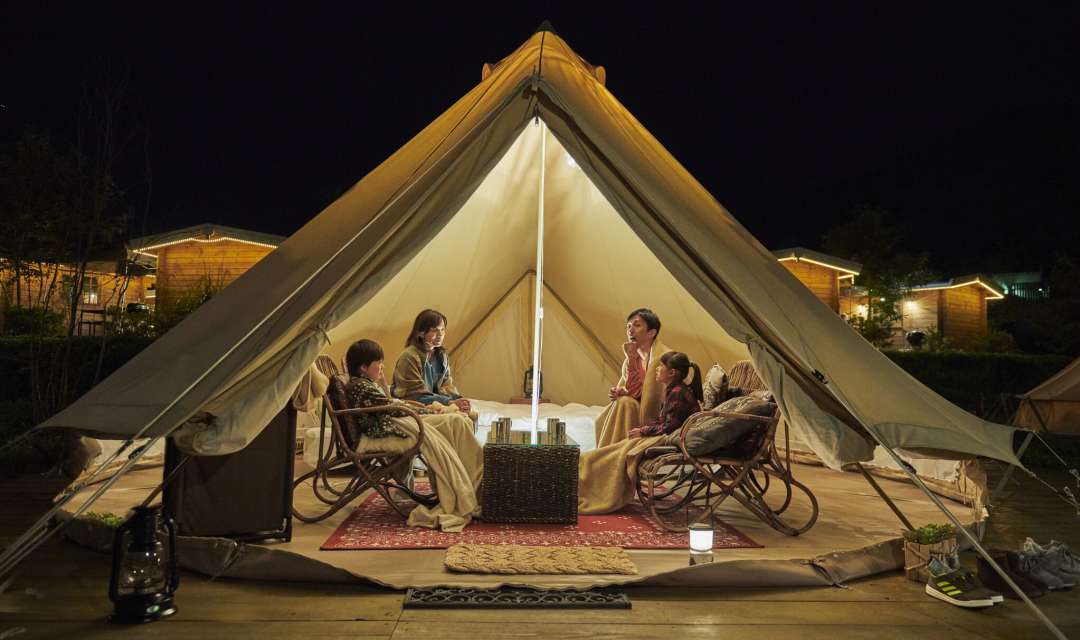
527	383
144	576
701	543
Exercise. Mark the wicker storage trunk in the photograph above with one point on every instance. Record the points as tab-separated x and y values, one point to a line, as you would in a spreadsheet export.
917	556
524	483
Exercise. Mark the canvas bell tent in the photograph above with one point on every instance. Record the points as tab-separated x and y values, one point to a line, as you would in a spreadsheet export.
1053	406
538	179
449	221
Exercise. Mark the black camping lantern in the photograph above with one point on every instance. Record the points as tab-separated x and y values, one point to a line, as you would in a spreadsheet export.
144	576
527	383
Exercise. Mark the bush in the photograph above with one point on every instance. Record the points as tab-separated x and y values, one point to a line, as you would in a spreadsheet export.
20	321
975	381
16	406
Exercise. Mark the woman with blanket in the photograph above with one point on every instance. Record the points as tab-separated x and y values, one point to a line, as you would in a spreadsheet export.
449	447
607	475
422	372
635	400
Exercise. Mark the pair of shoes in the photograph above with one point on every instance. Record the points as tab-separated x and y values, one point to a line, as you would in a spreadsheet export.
958	587
1053	566
1009	561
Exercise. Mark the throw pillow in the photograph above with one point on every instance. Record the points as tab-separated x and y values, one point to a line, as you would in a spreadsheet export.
707	434
714	387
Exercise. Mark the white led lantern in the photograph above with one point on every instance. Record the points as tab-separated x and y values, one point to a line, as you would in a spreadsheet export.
701	543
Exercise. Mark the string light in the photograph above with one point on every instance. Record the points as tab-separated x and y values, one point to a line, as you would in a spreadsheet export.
848	273
144	250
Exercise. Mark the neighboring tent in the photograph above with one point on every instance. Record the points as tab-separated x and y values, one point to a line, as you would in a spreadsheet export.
448	221
1053	406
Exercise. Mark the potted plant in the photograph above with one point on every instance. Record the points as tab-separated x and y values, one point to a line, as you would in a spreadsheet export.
929	541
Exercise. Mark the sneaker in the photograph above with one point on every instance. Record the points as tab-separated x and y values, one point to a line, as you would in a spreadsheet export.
1008	561
1070	561
959	588
1053	560
1033	567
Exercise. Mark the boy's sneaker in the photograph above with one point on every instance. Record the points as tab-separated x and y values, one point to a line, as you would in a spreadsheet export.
1008	561
959	588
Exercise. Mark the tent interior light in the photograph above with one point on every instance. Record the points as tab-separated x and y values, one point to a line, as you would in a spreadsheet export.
570	161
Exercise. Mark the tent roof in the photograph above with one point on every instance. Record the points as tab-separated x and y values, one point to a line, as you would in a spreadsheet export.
234	362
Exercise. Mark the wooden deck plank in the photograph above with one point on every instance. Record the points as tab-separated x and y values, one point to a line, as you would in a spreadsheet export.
182	629
473	630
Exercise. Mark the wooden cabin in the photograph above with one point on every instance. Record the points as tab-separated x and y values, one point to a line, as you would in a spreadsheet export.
104	289
956	308
821	273
195	259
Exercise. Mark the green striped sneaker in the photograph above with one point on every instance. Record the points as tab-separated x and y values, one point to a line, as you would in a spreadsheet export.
960	588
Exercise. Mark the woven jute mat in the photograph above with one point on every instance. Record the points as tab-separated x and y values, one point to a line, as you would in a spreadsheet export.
515	558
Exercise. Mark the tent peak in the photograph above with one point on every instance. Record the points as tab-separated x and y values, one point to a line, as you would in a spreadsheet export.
546	26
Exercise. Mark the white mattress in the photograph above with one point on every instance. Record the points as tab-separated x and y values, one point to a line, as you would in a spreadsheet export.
580	419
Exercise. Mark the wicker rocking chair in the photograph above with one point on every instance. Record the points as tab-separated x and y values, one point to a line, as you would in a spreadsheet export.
670	479
380	471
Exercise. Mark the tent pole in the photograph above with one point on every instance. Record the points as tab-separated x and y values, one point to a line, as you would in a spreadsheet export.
885	497
17	555
971	538
538	308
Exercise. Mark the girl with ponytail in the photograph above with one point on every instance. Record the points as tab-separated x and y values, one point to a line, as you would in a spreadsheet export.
682	395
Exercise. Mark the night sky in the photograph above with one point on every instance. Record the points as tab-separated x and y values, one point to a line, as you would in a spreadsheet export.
961	122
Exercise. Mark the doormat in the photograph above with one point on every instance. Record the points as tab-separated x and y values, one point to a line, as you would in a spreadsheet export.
519	559
515	598
375	525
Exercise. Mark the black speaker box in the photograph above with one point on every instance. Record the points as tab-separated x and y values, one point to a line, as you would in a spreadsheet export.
245	495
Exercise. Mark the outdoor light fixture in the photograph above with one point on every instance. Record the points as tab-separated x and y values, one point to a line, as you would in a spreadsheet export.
911	305
701	542
144	576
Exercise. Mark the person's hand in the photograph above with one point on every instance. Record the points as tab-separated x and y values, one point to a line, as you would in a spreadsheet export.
615	392
630	349
463	404
634	433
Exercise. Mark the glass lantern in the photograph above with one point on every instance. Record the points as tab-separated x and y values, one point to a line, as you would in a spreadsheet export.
144	576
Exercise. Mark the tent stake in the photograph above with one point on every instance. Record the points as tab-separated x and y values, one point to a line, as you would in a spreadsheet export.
885	497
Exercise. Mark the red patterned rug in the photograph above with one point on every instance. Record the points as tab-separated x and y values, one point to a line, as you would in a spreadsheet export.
375	525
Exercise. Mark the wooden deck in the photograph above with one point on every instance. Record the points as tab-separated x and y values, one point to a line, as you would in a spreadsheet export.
60	592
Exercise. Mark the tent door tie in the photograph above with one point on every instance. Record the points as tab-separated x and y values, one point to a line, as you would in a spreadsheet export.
820	376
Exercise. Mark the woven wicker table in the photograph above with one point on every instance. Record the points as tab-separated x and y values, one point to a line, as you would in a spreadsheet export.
530	483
